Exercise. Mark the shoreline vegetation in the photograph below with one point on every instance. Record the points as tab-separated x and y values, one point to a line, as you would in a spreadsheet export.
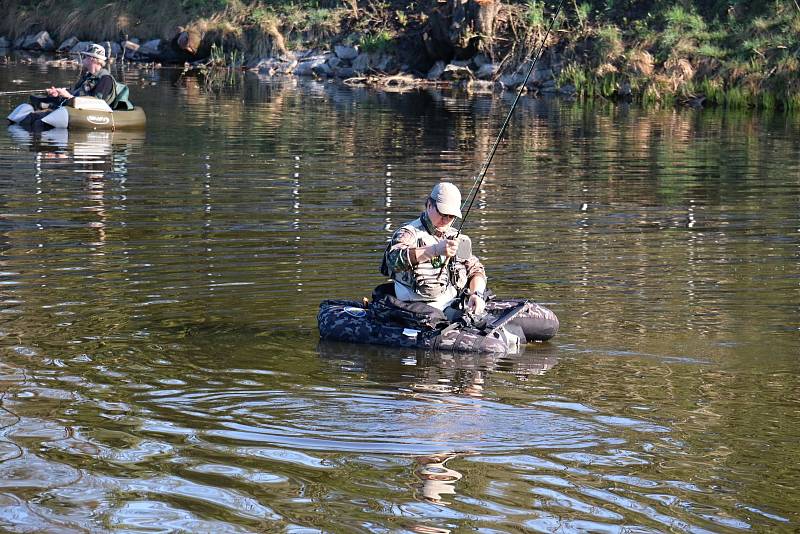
702	53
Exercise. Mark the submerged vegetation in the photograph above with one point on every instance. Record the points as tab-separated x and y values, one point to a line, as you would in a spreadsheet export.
733	53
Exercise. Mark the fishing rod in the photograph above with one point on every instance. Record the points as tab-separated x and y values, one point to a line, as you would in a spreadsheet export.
476	185
26	92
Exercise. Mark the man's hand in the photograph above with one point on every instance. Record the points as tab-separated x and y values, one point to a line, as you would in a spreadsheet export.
476	304
59	91
447	247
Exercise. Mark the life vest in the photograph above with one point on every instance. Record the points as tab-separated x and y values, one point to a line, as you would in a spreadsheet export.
430	280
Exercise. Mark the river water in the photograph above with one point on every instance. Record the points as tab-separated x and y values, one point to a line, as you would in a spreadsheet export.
161	371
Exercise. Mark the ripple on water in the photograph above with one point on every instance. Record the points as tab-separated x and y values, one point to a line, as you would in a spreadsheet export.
191	495
158	516
411	426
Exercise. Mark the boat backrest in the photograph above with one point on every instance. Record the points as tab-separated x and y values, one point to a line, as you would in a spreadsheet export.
121	100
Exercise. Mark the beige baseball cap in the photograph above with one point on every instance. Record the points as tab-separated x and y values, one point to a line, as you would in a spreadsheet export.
447	198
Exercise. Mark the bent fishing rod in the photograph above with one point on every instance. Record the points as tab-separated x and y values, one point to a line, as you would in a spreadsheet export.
476	185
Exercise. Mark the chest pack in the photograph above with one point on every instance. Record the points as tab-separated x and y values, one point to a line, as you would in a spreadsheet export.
431	278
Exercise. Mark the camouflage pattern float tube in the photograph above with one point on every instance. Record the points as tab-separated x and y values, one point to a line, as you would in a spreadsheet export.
344	320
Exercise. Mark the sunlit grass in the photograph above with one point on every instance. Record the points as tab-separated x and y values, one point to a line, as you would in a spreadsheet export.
608	44
381	41
534	14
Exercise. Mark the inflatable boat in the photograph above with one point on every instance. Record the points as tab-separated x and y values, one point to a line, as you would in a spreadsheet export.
505	328
81	113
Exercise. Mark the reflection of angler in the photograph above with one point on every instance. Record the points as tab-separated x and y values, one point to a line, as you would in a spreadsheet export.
437	479
96	186
467	382
92	152
426	372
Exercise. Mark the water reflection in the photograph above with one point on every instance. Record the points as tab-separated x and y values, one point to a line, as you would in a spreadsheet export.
438	481
85	152
93	156
437	372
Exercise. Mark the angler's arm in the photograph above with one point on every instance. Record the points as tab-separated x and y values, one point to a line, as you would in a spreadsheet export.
404	253
476	275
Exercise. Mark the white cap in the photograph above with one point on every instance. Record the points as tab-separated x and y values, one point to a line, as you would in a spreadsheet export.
447	198
96	51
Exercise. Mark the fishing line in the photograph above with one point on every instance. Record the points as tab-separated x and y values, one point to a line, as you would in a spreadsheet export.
476	185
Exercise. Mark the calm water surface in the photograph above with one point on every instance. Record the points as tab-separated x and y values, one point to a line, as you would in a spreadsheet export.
160	368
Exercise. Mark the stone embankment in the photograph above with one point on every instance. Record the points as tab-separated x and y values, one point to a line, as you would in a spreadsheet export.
155	50
344	62
478	74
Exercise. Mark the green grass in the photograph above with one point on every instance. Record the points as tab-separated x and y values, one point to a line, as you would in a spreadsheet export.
710	50
534	14
203	7
232	58
608	85
381	41
576	76
767	101
651	96
608	44
712	90
737	98
791	101
686	34
582	13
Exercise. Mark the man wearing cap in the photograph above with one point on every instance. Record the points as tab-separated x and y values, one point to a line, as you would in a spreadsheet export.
96	81
421	258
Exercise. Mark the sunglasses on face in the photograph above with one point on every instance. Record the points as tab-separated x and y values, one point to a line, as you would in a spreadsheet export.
442	215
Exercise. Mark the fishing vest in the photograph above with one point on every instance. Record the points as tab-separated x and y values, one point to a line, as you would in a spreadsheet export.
428	281
117	99
86	84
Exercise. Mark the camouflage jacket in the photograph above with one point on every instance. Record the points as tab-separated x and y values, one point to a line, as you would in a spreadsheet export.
426	281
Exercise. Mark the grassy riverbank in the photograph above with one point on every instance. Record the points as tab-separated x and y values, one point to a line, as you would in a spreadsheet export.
733	53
